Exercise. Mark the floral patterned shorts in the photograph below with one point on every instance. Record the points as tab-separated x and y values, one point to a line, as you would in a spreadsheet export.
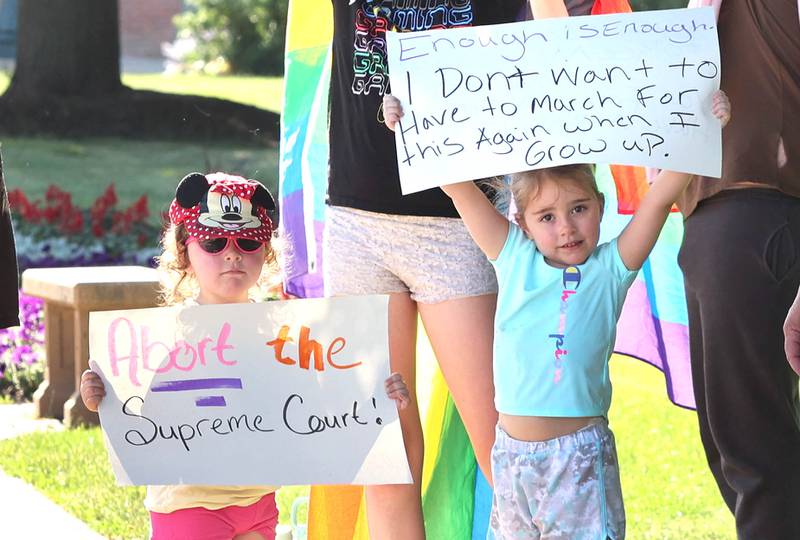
565	488
432	258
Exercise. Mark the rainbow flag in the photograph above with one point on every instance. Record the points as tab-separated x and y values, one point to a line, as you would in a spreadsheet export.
456	497
304	142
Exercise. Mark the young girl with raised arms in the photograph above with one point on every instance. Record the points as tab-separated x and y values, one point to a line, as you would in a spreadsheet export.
554	460
217	250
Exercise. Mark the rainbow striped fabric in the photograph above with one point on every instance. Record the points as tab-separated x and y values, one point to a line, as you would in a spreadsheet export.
456	497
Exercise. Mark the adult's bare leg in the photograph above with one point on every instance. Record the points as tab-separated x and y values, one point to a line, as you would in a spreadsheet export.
461	332
395	511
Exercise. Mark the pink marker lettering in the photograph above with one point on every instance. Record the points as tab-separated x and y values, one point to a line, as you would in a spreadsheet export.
175	353
222	345
201	349
115	358
147	347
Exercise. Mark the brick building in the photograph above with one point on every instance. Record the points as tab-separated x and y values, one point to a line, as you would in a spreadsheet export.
145	24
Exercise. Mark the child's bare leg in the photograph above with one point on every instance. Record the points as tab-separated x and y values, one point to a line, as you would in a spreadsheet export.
461	332
395	511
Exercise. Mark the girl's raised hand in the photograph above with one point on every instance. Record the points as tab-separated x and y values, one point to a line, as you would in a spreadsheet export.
392	111
397	390
721	106
92	389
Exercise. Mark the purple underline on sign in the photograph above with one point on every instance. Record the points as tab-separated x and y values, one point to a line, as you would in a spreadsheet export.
210	401
196	384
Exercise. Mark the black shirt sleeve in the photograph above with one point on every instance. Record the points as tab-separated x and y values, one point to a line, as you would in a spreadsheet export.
9	276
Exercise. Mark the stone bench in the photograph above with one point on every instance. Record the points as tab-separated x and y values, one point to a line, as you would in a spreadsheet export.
69	295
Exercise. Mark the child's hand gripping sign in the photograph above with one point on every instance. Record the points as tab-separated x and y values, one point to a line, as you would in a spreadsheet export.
249	394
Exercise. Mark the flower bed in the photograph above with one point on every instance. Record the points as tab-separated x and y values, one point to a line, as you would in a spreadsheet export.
55	232
21	348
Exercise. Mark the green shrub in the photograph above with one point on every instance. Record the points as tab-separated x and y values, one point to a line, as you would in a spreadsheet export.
248	34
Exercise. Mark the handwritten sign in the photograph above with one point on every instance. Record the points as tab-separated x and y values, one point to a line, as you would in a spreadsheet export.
631	89
276	393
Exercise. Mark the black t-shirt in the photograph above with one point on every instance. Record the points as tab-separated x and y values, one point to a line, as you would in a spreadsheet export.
363	163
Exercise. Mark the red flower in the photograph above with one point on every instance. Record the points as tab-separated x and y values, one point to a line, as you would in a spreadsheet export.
139	208
17	199
51	214
109	196
30	212
73	222
64	218
55	194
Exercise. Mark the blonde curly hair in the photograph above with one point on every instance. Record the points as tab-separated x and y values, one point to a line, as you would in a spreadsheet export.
178	283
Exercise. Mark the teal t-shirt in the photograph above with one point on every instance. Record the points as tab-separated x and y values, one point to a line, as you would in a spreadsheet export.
555	330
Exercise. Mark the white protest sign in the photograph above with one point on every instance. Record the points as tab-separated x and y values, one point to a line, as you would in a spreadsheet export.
629	89
273	393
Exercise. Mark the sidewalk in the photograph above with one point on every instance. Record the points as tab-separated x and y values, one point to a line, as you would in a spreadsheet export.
24	512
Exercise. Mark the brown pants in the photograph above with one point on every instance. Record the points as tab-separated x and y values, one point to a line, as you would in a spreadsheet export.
741	263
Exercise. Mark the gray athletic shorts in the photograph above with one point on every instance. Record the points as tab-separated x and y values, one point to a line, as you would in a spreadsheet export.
566	487
433	258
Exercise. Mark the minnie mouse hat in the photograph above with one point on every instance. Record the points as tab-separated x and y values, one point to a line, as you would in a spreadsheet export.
223	205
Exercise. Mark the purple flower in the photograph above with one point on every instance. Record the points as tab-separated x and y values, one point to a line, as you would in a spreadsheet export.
20	350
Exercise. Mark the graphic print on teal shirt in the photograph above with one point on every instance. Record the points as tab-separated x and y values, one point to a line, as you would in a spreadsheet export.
571	278
555	330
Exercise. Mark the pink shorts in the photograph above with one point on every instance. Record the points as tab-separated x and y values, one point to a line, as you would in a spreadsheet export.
222	524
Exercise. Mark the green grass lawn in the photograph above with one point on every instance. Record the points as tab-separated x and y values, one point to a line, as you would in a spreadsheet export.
669	494
71	468
263	92
86	167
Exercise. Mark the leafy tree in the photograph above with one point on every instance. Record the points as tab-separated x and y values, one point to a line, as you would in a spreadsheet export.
248	34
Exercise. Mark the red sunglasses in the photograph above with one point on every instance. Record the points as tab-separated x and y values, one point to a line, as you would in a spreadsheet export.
215	246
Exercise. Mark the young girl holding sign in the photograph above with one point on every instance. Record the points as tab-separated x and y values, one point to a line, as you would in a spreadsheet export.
554	459
211	258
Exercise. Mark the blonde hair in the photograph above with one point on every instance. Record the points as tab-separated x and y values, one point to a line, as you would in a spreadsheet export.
177	281
525	185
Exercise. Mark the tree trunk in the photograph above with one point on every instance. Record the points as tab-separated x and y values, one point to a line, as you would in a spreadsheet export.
66	48
67	84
